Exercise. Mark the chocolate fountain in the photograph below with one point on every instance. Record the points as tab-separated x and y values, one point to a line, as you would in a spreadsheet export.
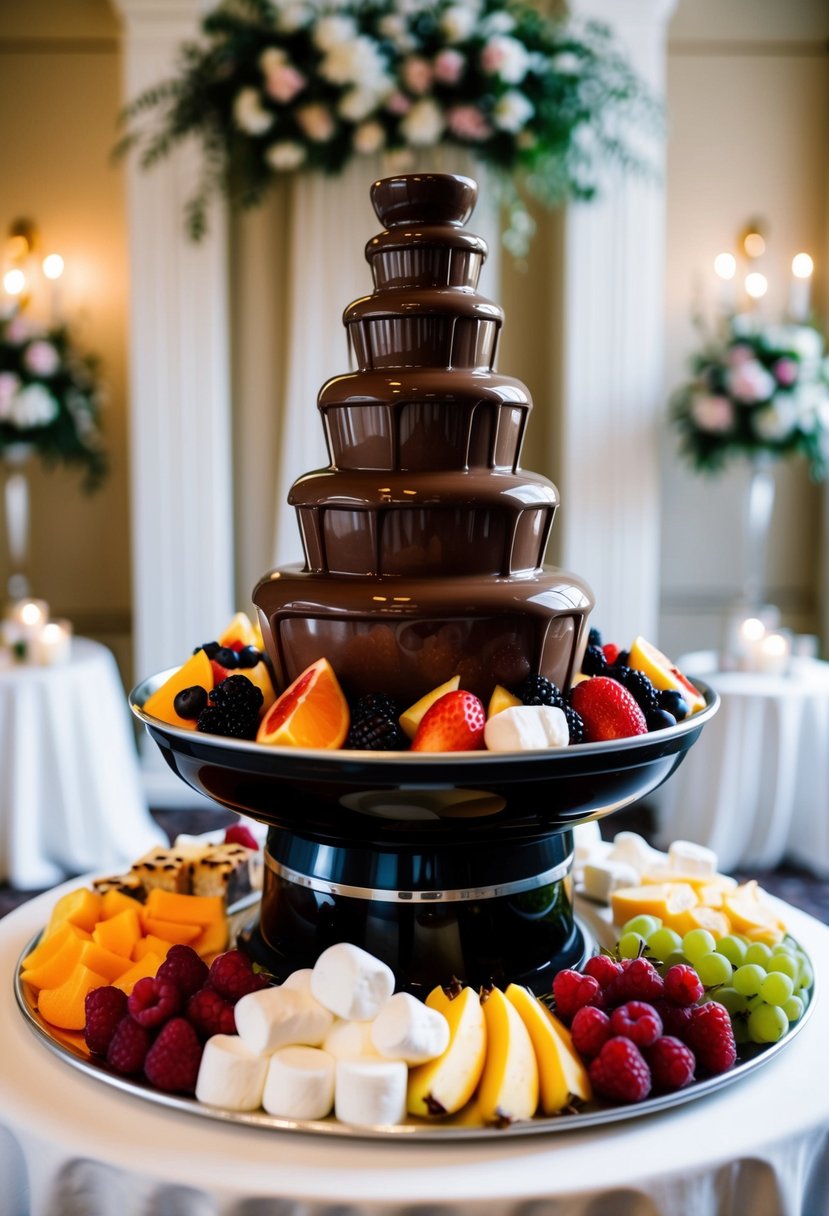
424	542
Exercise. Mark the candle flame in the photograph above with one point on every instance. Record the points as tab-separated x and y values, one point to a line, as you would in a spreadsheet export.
802	266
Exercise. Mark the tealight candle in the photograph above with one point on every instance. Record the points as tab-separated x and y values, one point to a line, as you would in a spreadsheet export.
32	615
55	644
773	654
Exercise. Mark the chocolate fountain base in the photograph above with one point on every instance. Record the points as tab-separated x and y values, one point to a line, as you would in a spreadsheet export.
481	914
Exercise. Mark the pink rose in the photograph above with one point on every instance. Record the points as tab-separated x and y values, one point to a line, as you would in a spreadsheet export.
398	103
714	414
41	358
18	331
740	354
448	66
467	122
417	74
317	122
282	83
785	372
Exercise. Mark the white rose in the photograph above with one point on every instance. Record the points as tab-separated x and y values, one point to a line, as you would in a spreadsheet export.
497	23
806	342
359	61
506	58
317	122
423	125
458	22
9	385
369	138
33	406
357	104
249	114
332	30
271	58
775	421
749	382
512	111
566	64
290	17
285	155
394	28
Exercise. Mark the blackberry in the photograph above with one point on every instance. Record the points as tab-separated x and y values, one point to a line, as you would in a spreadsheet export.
236	724
376	733
574	724
673	700
190	701
538	690
375	703
594	662
637	683
658	719
619	672
594	638
237	693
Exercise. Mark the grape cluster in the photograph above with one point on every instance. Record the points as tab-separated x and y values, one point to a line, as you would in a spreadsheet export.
764	988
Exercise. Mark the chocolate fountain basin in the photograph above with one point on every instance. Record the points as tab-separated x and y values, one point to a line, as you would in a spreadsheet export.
446	863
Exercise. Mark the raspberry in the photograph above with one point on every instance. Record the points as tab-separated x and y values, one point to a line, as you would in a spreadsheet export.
638	1022
682	985
572	990
620	1072
639	981
602	968
232	976
671	1063
675	1018
172	1063
238	833
711	1037
590	1029
611	652
184	968
153	1001
103	1008
128	1047
211	1013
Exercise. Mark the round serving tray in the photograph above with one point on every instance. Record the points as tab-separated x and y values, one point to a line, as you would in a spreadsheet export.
70	1048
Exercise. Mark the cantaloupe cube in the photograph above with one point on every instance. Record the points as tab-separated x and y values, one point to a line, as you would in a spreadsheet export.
213	939
57	969
171	931
49	946
184	909
150	945
105	962
120	933
63	1006
81	907
148	965
113	902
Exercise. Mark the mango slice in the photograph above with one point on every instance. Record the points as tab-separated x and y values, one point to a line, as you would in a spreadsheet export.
410	718
501	698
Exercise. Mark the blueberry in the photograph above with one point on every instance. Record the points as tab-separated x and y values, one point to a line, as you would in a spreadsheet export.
659	719
594	638
673	700
226	657
249	656
190	702
209	649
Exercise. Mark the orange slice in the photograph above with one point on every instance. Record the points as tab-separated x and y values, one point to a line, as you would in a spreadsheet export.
238	633
311	712
662	673
196	670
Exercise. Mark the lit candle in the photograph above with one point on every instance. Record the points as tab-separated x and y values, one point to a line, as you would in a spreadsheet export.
725	268
55	645
53	267
30	614
773	654
800	289
749	636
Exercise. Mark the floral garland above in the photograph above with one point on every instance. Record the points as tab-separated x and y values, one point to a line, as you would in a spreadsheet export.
50	398
284	85
757	392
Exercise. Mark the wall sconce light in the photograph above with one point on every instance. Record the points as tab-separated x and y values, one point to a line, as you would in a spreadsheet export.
22	268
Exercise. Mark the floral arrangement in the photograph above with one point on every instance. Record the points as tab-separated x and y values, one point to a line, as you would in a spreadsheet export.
50	397
757	392
284	85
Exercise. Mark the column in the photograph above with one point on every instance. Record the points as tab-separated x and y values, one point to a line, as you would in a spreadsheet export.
180	410
607	460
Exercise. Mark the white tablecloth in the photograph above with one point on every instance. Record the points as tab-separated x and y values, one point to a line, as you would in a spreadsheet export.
755	785
73	1146
70	789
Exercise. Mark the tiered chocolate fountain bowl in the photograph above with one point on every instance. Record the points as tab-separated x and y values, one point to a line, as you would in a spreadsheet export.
424	542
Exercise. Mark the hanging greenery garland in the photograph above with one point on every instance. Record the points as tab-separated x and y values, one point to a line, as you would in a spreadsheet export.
279	86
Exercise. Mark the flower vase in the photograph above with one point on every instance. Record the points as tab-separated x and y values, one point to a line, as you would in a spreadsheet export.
757	515
16	510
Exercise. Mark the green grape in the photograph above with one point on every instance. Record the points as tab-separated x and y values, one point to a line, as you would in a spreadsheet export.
767	1024
758	952
664	942
776	988
754	1002
672	960
748	978
733	948
733	1000
631	945
788	946
643	925
713	969
784	963
806	976
740	1028
794	1009
697	943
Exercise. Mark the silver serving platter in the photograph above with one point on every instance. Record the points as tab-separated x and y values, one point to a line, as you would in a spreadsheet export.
70	1048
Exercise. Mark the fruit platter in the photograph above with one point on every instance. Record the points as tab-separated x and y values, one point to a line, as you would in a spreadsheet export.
139	983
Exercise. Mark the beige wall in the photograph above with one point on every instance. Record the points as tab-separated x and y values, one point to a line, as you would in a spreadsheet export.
748	98
59	94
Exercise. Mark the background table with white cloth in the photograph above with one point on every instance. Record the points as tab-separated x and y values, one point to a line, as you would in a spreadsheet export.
71	798
71	1145
755	787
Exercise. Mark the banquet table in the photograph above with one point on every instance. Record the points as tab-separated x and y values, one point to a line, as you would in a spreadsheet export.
71	798
71	1145
755	788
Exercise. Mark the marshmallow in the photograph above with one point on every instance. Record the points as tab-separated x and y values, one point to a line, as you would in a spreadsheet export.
276	1017
350	1041
351	982
230	1075
601	878
371	1092
299	1084
688	858
525	728
301	980
406	1029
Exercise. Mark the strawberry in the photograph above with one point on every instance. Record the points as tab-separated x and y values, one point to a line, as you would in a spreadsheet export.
454	723
611	652
607	709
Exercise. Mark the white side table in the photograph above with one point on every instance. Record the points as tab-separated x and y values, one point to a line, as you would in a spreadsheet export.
70	790
755	786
